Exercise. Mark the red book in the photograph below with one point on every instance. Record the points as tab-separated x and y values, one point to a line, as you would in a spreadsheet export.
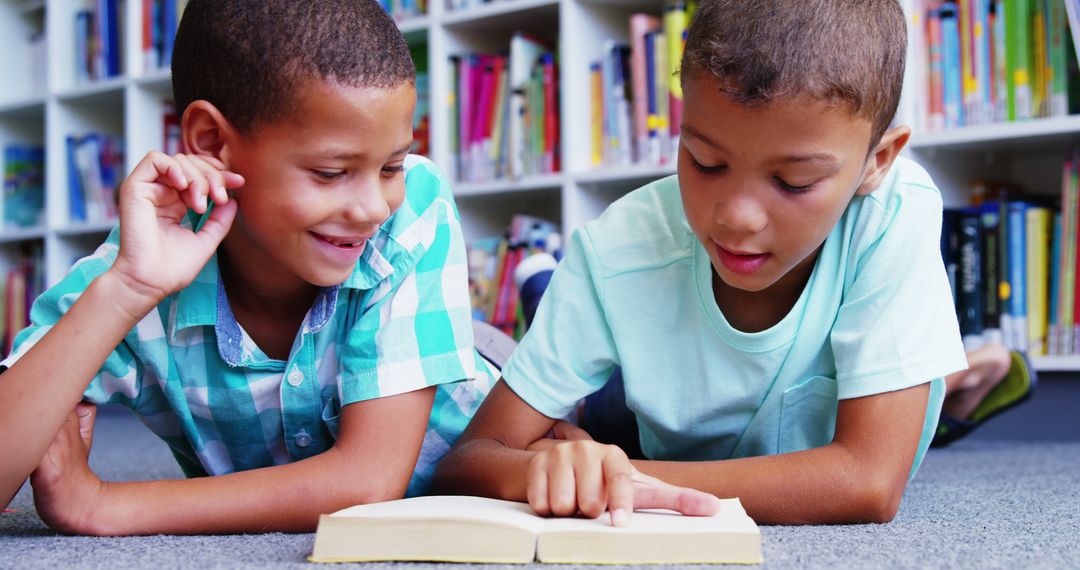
551	115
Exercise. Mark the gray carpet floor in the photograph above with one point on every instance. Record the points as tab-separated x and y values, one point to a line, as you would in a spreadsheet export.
981	503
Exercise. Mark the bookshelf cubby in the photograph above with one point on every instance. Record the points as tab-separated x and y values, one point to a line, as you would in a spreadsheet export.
41	102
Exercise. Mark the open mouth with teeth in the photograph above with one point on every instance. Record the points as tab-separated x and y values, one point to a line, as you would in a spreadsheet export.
346	243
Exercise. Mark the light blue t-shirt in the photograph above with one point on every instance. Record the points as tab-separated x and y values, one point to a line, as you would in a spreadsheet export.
635	290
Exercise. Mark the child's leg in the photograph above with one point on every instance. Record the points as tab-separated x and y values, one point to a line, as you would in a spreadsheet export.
987	366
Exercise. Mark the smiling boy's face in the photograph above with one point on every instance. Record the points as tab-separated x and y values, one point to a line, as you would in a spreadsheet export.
320	182
764	186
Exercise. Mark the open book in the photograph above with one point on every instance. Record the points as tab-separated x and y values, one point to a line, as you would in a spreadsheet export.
475	529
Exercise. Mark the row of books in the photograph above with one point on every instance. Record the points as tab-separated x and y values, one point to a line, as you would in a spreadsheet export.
401	9
23	202
492	262
1012	262
95	166
504	119
99	41
160	19
636	96
992	61
22	283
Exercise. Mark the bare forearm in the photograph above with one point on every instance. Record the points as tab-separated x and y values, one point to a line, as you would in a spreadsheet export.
486	468
827	485
42	388
285	498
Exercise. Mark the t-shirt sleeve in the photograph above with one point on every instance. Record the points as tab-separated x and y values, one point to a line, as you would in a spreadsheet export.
569	351
896	326
414	329
119	380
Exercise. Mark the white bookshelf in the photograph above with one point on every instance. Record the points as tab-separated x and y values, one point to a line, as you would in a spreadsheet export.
131	105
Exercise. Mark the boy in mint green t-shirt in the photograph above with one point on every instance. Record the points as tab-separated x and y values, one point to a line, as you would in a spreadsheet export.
779	309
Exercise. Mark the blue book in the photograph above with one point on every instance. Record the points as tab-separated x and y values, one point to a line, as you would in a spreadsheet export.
950	59
84	25
76	199
1016	334
168	24
653	154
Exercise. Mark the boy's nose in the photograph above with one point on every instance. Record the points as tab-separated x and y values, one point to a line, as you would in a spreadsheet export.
741	213
367	205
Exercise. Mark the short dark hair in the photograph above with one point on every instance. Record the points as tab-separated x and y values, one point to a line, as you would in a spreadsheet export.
249	57
848	51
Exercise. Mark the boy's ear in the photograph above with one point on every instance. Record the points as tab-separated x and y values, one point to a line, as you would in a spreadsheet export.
206	131
882	158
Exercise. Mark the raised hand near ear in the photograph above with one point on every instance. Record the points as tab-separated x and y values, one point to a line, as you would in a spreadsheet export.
158	256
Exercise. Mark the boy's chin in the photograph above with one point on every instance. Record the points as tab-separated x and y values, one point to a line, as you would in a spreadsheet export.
329	278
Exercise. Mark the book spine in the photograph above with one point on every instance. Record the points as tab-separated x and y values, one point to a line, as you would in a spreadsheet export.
969	298
991	272
640	25
950	53
1056	42
596	116
1038	247
1018	57
1018	275
675	26
936	118
1053	332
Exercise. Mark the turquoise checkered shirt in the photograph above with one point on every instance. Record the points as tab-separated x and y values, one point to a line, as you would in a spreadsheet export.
400	322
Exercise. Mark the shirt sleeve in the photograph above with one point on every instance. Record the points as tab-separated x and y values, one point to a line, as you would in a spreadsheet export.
896	326
569	351
119	380
414	328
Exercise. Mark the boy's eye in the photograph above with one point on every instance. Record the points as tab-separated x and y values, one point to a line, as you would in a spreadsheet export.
792	189
707	169
393	170
329	175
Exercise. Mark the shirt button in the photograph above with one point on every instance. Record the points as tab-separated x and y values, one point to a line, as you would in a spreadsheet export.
303	439
296	377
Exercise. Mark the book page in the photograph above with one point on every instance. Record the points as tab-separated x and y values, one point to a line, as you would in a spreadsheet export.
653	537
450	508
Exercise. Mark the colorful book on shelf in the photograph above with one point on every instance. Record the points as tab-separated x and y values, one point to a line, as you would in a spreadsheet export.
969	297
640	26
477	529
1052	329
23	201
952	86
95	170
596	114
1018	59
1071	284
1038	224
1014	322
1070	216
524	54
676	22
492	262
935	73
1057	56
990	215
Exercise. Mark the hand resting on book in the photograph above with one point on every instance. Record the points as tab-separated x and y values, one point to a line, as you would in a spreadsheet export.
573	474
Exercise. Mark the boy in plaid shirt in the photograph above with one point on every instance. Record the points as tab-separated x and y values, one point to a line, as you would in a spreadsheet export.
286	304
